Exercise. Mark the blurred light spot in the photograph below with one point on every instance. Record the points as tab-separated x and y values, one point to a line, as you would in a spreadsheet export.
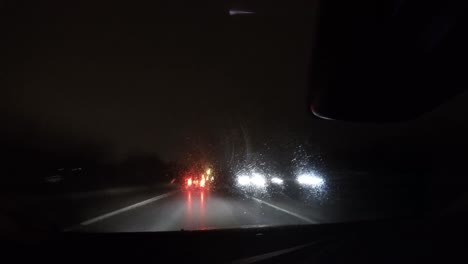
237	12
53	178
277	180
258	180
202	182
310	179
243	180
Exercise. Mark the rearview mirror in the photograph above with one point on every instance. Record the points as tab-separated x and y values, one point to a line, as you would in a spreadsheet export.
379	61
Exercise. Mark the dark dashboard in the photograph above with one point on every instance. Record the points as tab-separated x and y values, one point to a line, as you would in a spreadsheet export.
364	242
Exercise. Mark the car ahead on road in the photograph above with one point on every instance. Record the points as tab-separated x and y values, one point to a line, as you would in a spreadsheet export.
197	179
194	183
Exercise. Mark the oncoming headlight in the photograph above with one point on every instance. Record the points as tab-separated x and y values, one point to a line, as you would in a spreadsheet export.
255	180
277	180
243	180
309	179
258	180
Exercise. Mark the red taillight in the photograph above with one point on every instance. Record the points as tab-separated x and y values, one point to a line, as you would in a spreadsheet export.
202	182
189	182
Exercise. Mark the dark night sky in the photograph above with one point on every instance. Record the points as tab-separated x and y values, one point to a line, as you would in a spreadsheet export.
163	78
154	77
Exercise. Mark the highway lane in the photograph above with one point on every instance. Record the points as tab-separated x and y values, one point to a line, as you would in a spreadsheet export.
166	207
170	208
195	210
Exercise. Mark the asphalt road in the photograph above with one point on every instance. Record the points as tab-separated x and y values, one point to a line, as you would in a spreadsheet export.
194	210
166	207
171	208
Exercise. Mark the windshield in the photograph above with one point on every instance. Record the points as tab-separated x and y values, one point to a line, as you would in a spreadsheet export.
190	115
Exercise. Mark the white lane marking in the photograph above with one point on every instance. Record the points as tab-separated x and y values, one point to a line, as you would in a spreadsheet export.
234	227
303	218
130	207
269	255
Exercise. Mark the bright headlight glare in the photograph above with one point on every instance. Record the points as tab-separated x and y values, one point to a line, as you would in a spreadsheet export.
276	180
258	180
310	180
243	180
